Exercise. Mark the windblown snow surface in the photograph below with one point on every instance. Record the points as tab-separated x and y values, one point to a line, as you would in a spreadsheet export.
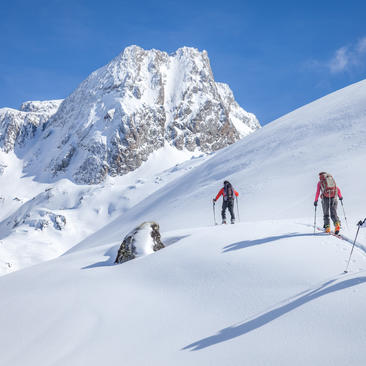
266	291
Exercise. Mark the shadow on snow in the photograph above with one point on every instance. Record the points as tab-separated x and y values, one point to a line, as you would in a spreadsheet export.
111	254
263	319
249	243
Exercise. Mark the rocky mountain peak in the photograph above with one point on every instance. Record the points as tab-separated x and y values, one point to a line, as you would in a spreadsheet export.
131	107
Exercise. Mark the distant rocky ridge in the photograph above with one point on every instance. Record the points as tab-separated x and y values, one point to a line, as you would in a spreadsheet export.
19	126
122	113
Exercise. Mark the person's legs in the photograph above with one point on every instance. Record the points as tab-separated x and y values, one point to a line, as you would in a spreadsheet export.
333	212
223	211
231	209
325	206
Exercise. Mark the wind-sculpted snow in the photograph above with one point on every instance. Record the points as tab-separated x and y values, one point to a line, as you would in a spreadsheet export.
133	106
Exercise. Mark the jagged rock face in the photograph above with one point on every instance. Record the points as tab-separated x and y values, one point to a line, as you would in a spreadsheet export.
244	122
145	239
133	106
18	127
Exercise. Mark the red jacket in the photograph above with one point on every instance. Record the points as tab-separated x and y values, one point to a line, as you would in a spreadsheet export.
222	192
318	192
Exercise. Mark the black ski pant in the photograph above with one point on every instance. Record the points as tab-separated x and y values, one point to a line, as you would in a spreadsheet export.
330	206
230	205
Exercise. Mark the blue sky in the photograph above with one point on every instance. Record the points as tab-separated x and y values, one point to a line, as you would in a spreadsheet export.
275	55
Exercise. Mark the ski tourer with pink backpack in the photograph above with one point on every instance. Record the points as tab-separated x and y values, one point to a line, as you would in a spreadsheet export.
329	194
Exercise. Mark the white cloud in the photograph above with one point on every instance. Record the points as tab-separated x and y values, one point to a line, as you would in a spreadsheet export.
340	61
346	58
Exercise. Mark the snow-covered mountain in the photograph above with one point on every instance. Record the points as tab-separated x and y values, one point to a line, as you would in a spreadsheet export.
142	106
128	109
266	291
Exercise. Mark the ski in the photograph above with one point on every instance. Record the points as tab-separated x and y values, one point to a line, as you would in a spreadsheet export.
339	236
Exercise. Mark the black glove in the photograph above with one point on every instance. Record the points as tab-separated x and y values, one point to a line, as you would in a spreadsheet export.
315	203
360	223
214	200
341	198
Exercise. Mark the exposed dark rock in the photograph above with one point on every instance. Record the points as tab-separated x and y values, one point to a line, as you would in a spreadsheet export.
143	240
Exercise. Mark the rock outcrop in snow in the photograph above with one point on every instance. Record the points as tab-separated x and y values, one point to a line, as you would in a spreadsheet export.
126	110
143	240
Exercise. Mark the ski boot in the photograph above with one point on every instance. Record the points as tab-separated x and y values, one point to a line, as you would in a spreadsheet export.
223	221
327	229
233	221
337	227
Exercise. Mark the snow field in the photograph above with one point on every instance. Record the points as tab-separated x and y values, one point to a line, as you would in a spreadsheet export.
213	296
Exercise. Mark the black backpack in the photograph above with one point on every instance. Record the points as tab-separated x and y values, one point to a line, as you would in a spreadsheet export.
229	191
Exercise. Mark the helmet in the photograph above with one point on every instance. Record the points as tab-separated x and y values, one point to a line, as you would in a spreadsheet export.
226	182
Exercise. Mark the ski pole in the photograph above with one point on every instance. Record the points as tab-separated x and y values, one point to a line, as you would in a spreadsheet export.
315	218
349	259
344	214
213	207
237	207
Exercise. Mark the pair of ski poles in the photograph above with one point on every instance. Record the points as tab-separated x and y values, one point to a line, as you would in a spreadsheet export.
237	208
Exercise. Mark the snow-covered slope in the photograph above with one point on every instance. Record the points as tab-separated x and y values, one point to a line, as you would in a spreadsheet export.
263	291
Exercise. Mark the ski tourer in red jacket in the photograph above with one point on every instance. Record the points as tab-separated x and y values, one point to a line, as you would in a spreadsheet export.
227	192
